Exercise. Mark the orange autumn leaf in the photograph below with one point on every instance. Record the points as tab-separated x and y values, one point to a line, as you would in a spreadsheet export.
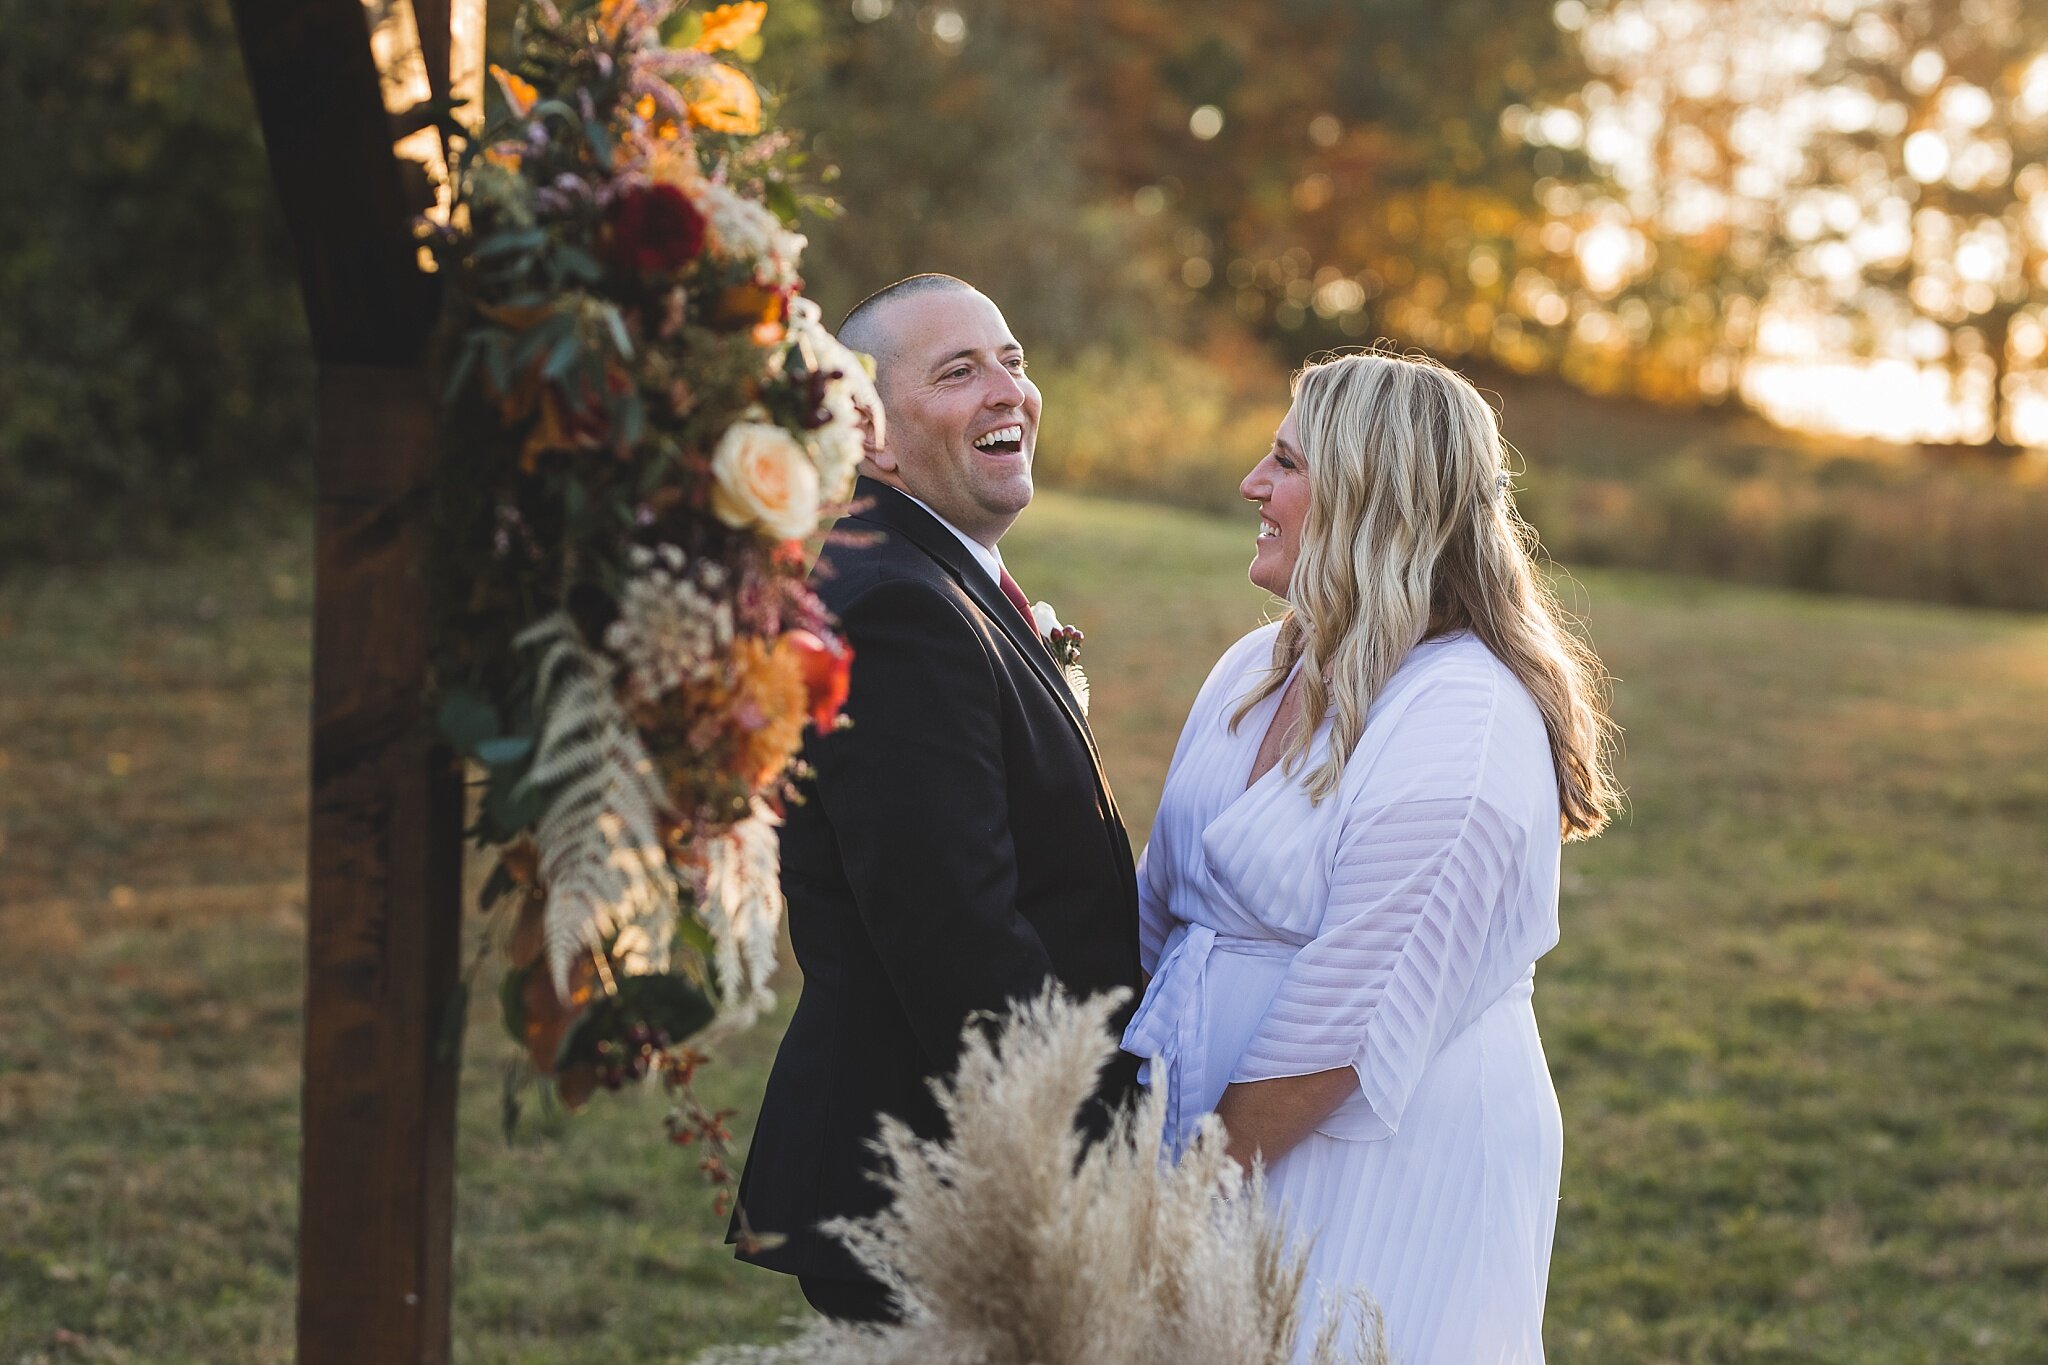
730	25
518	93
722	99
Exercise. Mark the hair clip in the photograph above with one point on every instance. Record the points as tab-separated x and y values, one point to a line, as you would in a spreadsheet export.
1500	484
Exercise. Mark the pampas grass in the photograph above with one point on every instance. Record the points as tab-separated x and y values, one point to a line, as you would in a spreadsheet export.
1011	1244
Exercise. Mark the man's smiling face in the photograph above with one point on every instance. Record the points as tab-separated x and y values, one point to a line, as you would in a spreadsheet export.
962	415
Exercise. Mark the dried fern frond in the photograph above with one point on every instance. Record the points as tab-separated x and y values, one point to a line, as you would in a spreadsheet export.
1007	1244
740	902
601	856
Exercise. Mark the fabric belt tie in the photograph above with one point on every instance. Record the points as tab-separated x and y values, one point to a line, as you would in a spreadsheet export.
1171	1028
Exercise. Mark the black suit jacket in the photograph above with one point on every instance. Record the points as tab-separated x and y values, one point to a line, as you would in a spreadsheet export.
958	847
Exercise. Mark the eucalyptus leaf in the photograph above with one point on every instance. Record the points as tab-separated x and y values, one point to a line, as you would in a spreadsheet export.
509	241
505	751
621	342
464	366
496	363
578	265
632	418
561	356
466	719
512	1001
510	806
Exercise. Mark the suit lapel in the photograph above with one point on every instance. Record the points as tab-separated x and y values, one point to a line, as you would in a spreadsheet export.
888	507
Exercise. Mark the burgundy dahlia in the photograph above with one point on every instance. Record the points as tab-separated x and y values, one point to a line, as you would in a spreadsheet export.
655	230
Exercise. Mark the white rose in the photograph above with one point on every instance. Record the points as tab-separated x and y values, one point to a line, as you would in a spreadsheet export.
1043	616
763	478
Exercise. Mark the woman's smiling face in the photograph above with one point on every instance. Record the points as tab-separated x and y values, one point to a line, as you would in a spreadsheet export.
1279	485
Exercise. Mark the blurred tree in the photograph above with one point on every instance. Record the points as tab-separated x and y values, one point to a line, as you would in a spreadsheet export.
955	144
153	359
1799	183
1326	169
1946	257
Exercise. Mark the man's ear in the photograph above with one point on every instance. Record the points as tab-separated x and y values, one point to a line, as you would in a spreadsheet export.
874	453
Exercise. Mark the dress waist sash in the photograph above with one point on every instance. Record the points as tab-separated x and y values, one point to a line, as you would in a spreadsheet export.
1171	1028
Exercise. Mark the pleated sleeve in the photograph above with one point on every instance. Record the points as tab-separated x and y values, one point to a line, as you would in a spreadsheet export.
1421	922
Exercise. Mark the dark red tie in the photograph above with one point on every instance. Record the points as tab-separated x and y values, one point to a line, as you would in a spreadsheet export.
1018	600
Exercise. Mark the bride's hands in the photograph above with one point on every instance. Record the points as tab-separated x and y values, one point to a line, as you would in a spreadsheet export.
1268	1119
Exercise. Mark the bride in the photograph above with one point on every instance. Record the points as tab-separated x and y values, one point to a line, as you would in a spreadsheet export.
1355	864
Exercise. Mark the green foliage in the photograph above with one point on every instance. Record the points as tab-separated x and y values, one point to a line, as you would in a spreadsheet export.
153	359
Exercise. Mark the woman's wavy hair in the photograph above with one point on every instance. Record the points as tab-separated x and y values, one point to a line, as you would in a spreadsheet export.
1412	534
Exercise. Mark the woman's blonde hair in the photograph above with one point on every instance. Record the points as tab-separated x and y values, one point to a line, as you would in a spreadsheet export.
1411	534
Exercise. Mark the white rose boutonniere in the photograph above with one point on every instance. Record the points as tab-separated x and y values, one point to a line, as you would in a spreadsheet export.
1064	643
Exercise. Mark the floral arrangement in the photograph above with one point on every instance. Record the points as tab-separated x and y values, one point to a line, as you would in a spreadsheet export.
642	422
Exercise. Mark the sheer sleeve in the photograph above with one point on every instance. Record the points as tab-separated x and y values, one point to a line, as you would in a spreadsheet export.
1417	892
1431	909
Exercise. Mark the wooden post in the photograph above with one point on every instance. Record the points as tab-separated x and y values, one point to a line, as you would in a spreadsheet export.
383	901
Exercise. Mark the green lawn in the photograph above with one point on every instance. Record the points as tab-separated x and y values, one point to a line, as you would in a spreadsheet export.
1798	1021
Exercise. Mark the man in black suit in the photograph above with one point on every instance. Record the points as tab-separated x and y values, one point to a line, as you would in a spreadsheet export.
959	846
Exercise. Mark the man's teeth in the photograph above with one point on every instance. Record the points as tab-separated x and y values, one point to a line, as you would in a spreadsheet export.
1002	434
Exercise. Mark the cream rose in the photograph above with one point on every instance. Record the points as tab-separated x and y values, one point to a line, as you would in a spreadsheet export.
763	479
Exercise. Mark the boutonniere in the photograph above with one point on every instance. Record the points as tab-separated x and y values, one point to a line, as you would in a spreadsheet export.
1064	644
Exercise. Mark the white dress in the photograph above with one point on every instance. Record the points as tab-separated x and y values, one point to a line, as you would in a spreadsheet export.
1393	929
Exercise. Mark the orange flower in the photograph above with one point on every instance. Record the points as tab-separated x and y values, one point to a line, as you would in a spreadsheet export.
730	25
518	92
613	14
769	706
751	305
722	99
827	674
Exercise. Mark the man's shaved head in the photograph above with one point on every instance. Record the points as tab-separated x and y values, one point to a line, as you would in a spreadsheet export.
866	328
962	414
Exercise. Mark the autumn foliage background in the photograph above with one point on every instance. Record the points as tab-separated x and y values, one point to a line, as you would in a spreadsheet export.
1694	212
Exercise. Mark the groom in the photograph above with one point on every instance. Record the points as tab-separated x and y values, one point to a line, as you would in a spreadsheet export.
959	846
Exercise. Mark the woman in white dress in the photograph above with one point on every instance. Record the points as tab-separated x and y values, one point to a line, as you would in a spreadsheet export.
1355	862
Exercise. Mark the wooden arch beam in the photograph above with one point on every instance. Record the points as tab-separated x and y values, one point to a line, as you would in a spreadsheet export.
384	863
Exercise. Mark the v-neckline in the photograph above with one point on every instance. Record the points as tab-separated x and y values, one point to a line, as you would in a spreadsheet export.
1251	782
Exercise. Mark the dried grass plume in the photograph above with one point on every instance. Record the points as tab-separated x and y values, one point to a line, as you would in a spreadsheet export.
1009	1244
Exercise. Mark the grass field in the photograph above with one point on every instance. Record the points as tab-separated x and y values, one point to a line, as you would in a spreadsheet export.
1798	1021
